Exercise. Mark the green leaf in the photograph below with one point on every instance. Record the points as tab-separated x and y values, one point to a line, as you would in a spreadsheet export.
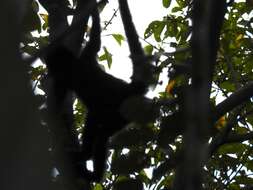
143	176
31	21
162	170
234	186
176	9
245	180
45	19
182	3
98	187
107	56
166	183
29	49
232	148
35	6
156	28
148	49
148	32
249	165
230	87
119	38
37	72
166	3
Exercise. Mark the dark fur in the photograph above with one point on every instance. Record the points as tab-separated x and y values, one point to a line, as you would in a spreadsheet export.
102	93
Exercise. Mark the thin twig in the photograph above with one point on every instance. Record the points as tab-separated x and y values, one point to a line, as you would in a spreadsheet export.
243	159
110	21
143	39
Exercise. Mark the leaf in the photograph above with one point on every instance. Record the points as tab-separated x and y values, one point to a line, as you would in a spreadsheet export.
239	37
244	180
166	3
148	49
35	6
182	3
230	87
45	19
176	9
80	112
31	21
170	86
238	40
249	165
234	186
156	28
171	29
107	56
42	41
119	38
37	72
98	187
29	49
143	176
166	183
162	170
221	123
232	148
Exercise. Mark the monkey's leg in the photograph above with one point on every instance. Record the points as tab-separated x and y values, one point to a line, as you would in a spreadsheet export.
99	158
89	136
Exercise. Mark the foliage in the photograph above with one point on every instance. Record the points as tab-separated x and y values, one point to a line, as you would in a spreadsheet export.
155	147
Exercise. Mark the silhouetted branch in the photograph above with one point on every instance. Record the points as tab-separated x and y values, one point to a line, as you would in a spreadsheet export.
208	17
237	138
63	34
110	20
220	138
237	98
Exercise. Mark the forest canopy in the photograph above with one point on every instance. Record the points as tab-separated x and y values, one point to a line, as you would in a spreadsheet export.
194	134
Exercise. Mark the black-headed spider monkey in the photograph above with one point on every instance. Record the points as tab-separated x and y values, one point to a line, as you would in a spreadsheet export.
102	93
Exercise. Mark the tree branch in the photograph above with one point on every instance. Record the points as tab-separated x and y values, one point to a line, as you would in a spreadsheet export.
208	17
242	95
220	138
63	34
110	20
237	138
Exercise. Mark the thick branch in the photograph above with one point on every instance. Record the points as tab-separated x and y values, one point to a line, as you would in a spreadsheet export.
24	160
220	138
239	138
234	100
208	16
63	34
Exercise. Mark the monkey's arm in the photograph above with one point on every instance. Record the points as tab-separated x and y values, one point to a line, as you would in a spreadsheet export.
93	46
142	69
